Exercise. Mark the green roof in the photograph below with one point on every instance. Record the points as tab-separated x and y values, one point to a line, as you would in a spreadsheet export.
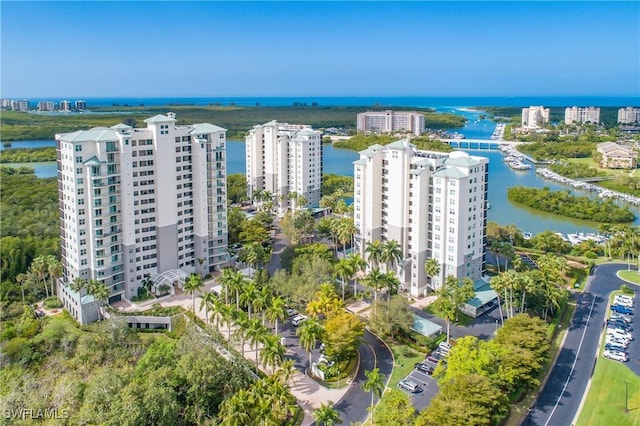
425	327
401	144
449	172
484	294
204	128
97	134
461	159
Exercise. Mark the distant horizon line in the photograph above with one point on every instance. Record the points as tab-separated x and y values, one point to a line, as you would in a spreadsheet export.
310	96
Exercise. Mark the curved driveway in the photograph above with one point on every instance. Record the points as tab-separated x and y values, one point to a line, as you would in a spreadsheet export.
560	398
373	354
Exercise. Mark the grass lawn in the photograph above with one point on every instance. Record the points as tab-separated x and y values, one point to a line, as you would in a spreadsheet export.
630	276
464	320
590	163
605	401
405	358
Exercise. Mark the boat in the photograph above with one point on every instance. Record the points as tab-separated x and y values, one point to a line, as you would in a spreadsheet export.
517	165
527	235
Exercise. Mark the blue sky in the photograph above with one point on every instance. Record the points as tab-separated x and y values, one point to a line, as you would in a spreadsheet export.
163	49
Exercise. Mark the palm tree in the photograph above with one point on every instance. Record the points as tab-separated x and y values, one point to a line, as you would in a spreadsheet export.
376	280
374	253
308	333
261	301
392	284
226	278
272	352
346	230
242	321
498	284
236	282
432	268
326	415
191	285
248	295
236	410
78	284
217	308
39	269
277	310
208	299
54	269
255	334
358	264
391	254
374	384
286	370
343	269
100	293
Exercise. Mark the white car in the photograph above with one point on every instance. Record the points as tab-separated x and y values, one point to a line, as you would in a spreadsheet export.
615	355
299	319
619	334
624	296
616	341
623	302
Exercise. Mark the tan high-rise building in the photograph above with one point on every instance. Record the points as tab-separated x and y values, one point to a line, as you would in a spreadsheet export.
582	115
391	121
535	117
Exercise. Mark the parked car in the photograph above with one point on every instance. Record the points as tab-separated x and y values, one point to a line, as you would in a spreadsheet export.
619	324
624	297
444	347
622	317
624	302
299	319
622	309
617	348
424	368
617	356
291	312
619	334
409	385
616	341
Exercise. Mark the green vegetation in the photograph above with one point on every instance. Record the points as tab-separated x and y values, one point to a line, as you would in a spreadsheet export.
361	141
608	115
623	183
565	204
332	183
237	120
28	155
631	276
576	171
554	150
29	224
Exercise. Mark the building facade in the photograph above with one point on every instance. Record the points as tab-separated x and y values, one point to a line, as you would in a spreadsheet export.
433	204
65	106
616	156
535	117
283	158
582	115
46	106
391	121
629	115
80	105
137	202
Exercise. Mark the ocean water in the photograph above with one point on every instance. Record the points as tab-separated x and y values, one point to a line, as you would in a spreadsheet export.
410	101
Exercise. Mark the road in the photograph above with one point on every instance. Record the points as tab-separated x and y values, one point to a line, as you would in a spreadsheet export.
373	354
560	398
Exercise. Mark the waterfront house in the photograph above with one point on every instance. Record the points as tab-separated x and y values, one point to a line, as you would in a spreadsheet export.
616	156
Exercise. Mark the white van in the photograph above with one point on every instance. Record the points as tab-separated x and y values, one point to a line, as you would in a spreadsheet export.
299	319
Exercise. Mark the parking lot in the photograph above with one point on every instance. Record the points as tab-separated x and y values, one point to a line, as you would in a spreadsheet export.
429	386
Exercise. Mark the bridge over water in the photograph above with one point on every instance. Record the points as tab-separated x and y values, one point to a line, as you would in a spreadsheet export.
490	144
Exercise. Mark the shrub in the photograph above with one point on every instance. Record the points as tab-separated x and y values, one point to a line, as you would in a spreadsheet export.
625	289
52	303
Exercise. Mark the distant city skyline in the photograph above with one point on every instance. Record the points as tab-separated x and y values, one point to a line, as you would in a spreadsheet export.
262	49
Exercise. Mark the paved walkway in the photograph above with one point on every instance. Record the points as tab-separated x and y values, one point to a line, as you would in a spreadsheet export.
307	391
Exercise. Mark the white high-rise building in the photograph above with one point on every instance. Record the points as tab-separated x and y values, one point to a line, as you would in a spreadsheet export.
432	204
535	117
136	203
284	158
391	121
582	115
629	115
80	105
65	106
